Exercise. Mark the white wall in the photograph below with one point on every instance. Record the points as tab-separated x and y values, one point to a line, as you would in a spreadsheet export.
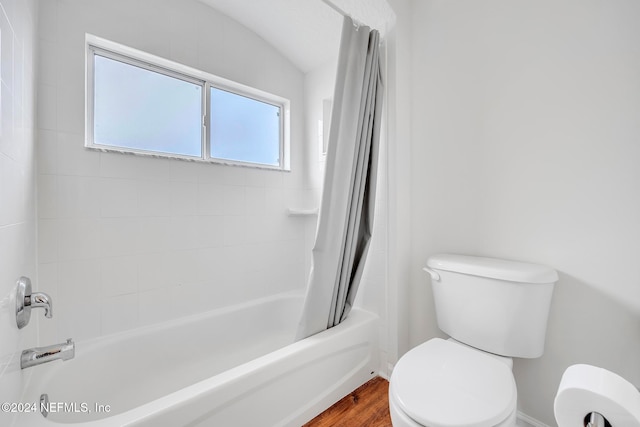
318	86
17	186
126	241
398	82
526	145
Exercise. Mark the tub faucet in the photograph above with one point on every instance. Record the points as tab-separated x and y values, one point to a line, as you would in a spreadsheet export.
26	300
40	299
39	355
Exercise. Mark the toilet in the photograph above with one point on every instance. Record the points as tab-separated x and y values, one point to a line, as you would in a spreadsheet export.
492	310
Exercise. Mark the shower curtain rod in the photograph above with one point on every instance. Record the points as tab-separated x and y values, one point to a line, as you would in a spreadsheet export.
356	22
336	8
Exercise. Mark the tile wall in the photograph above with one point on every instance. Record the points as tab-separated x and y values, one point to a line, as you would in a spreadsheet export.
125	241
17	185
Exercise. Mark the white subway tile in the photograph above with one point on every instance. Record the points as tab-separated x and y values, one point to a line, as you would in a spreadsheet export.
255	201
48	278
79	197
118	197
70	104
78	278
153	270
6	51
70	68
71	21
184	267
257	229
48	282
235	230
185	232
275	202
234	200
183	198
47	57
119	236
235	175
153	198
48	196
4	189
157	305
74	158
118	275
7	143
155	234
119	313
207	297
77	320
79	238
213	265
210	173
8	256
236	259
47	28
47	152
47	107
210	231
122	165
210	199
184	171
264	178
48	238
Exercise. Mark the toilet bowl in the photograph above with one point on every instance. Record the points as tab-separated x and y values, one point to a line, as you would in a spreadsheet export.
493	310
445	384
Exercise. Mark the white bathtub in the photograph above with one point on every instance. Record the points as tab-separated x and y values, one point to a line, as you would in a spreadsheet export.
232	367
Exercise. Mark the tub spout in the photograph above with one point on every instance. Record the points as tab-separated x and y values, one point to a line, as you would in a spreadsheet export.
39	355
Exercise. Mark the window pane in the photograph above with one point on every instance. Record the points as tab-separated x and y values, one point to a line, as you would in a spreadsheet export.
244	129
145	110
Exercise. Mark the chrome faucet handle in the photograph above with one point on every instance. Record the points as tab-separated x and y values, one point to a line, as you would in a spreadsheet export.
25	300
40	299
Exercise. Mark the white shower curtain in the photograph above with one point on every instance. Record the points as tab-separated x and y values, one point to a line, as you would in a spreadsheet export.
346	211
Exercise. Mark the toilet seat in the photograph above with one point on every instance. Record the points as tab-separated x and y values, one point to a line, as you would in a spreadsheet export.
443	384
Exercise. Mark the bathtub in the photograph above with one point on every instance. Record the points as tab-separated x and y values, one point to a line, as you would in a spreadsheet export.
233	367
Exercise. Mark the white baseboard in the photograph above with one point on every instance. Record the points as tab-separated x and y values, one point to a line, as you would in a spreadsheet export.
525	420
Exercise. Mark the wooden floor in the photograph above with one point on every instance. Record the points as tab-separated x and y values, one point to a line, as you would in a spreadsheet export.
367	406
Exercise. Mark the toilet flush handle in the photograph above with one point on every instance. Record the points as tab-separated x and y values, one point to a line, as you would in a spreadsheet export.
434	275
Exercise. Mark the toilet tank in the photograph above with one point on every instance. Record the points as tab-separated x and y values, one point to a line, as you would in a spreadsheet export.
495	305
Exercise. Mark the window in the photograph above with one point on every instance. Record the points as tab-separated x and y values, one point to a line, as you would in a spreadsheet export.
243	129
141	109
143	104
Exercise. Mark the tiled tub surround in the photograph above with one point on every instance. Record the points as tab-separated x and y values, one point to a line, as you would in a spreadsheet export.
222	243
147	239
233	366
17	185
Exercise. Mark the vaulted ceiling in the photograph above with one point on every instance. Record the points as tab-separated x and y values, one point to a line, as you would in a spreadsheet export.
305	31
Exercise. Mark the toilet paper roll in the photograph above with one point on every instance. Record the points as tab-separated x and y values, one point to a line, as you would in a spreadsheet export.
585	389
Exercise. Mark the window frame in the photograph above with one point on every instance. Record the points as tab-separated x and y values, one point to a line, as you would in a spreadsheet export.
115	51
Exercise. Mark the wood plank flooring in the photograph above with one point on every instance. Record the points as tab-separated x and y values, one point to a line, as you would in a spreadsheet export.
367	406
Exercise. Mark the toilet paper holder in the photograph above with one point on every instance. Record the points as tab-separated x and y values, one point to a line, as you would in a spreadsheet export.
594	419
595	397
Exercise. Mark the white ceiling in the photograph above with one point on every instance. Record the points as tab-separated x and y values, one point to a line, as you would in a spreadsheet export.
305	31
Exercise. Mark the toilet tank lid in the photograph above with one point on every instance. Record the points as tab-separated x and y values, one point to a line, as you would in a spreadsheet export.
513	271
